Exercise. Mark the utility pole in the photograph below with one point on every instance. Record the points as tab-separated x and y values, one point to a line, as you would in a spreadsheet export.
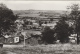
24	40
24	34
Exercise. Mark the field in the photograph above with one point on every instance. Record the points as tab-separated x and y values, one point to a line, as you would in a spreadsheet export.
43	49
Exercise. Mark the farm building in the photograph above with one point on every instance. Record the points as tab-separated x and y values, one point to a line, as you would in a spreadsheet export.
32	38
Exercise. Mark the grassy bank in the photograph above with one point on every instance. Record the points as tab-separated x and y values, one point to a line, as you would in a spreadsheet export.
44	49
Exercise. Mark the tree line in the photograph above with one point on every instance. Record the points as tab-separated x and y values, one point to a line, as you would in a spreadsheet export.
62	29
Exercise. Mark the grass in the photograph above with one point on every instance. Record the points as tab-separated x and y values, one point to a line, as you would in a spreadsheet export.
44	49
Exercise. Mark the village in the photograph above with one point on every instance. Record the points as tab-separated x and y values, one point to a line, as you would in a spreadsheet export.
31	26
32	29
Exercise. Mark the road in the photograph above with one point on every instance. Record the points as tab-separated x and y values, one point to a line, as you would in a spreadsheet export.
12	46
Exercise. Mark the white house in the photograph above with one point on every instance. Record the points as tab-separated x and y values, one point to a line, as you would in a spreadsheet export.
51	25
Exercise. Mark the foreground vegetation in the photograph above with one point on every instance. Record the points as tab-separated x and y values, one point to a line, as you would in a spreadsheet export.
44	49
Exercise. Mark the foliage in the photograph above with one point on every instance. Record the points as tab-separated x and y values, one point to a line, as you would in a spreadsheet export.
7	18
75	15
78	24
63	31
48	35
40	22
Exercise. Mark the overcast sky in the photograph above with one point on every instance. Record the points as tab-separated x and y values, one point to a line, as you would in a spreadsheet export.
38	5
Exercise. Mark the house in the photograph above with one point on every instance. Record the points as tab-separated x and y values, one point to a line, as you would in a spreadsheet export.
9	39
28	27
73	38
35	25
51	25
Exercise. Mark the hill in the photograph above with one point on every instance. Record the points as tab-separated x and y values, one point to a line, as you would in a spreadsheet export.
39	13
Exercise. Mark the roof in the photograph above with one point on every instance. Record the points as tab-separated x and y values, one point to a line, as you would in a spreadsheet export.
29	33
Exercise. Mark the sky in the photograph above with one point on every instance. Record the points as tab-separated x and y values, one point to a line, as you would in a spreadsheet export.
38	5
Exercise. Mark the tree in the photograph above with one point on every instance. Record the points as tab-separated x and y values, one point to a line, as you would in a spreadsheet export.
7	19
40	23
75	16
62	30
48	35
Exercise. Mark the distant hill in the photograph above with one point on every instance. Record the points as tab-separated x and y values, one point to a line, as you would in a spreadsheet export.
39	13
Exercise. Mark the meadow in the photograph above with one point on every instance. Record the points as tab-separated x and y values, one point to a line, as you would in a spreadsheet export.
43	49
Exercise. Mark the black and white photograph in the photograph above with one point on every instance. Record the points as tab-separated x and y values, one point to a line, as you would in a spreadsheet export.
39	27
